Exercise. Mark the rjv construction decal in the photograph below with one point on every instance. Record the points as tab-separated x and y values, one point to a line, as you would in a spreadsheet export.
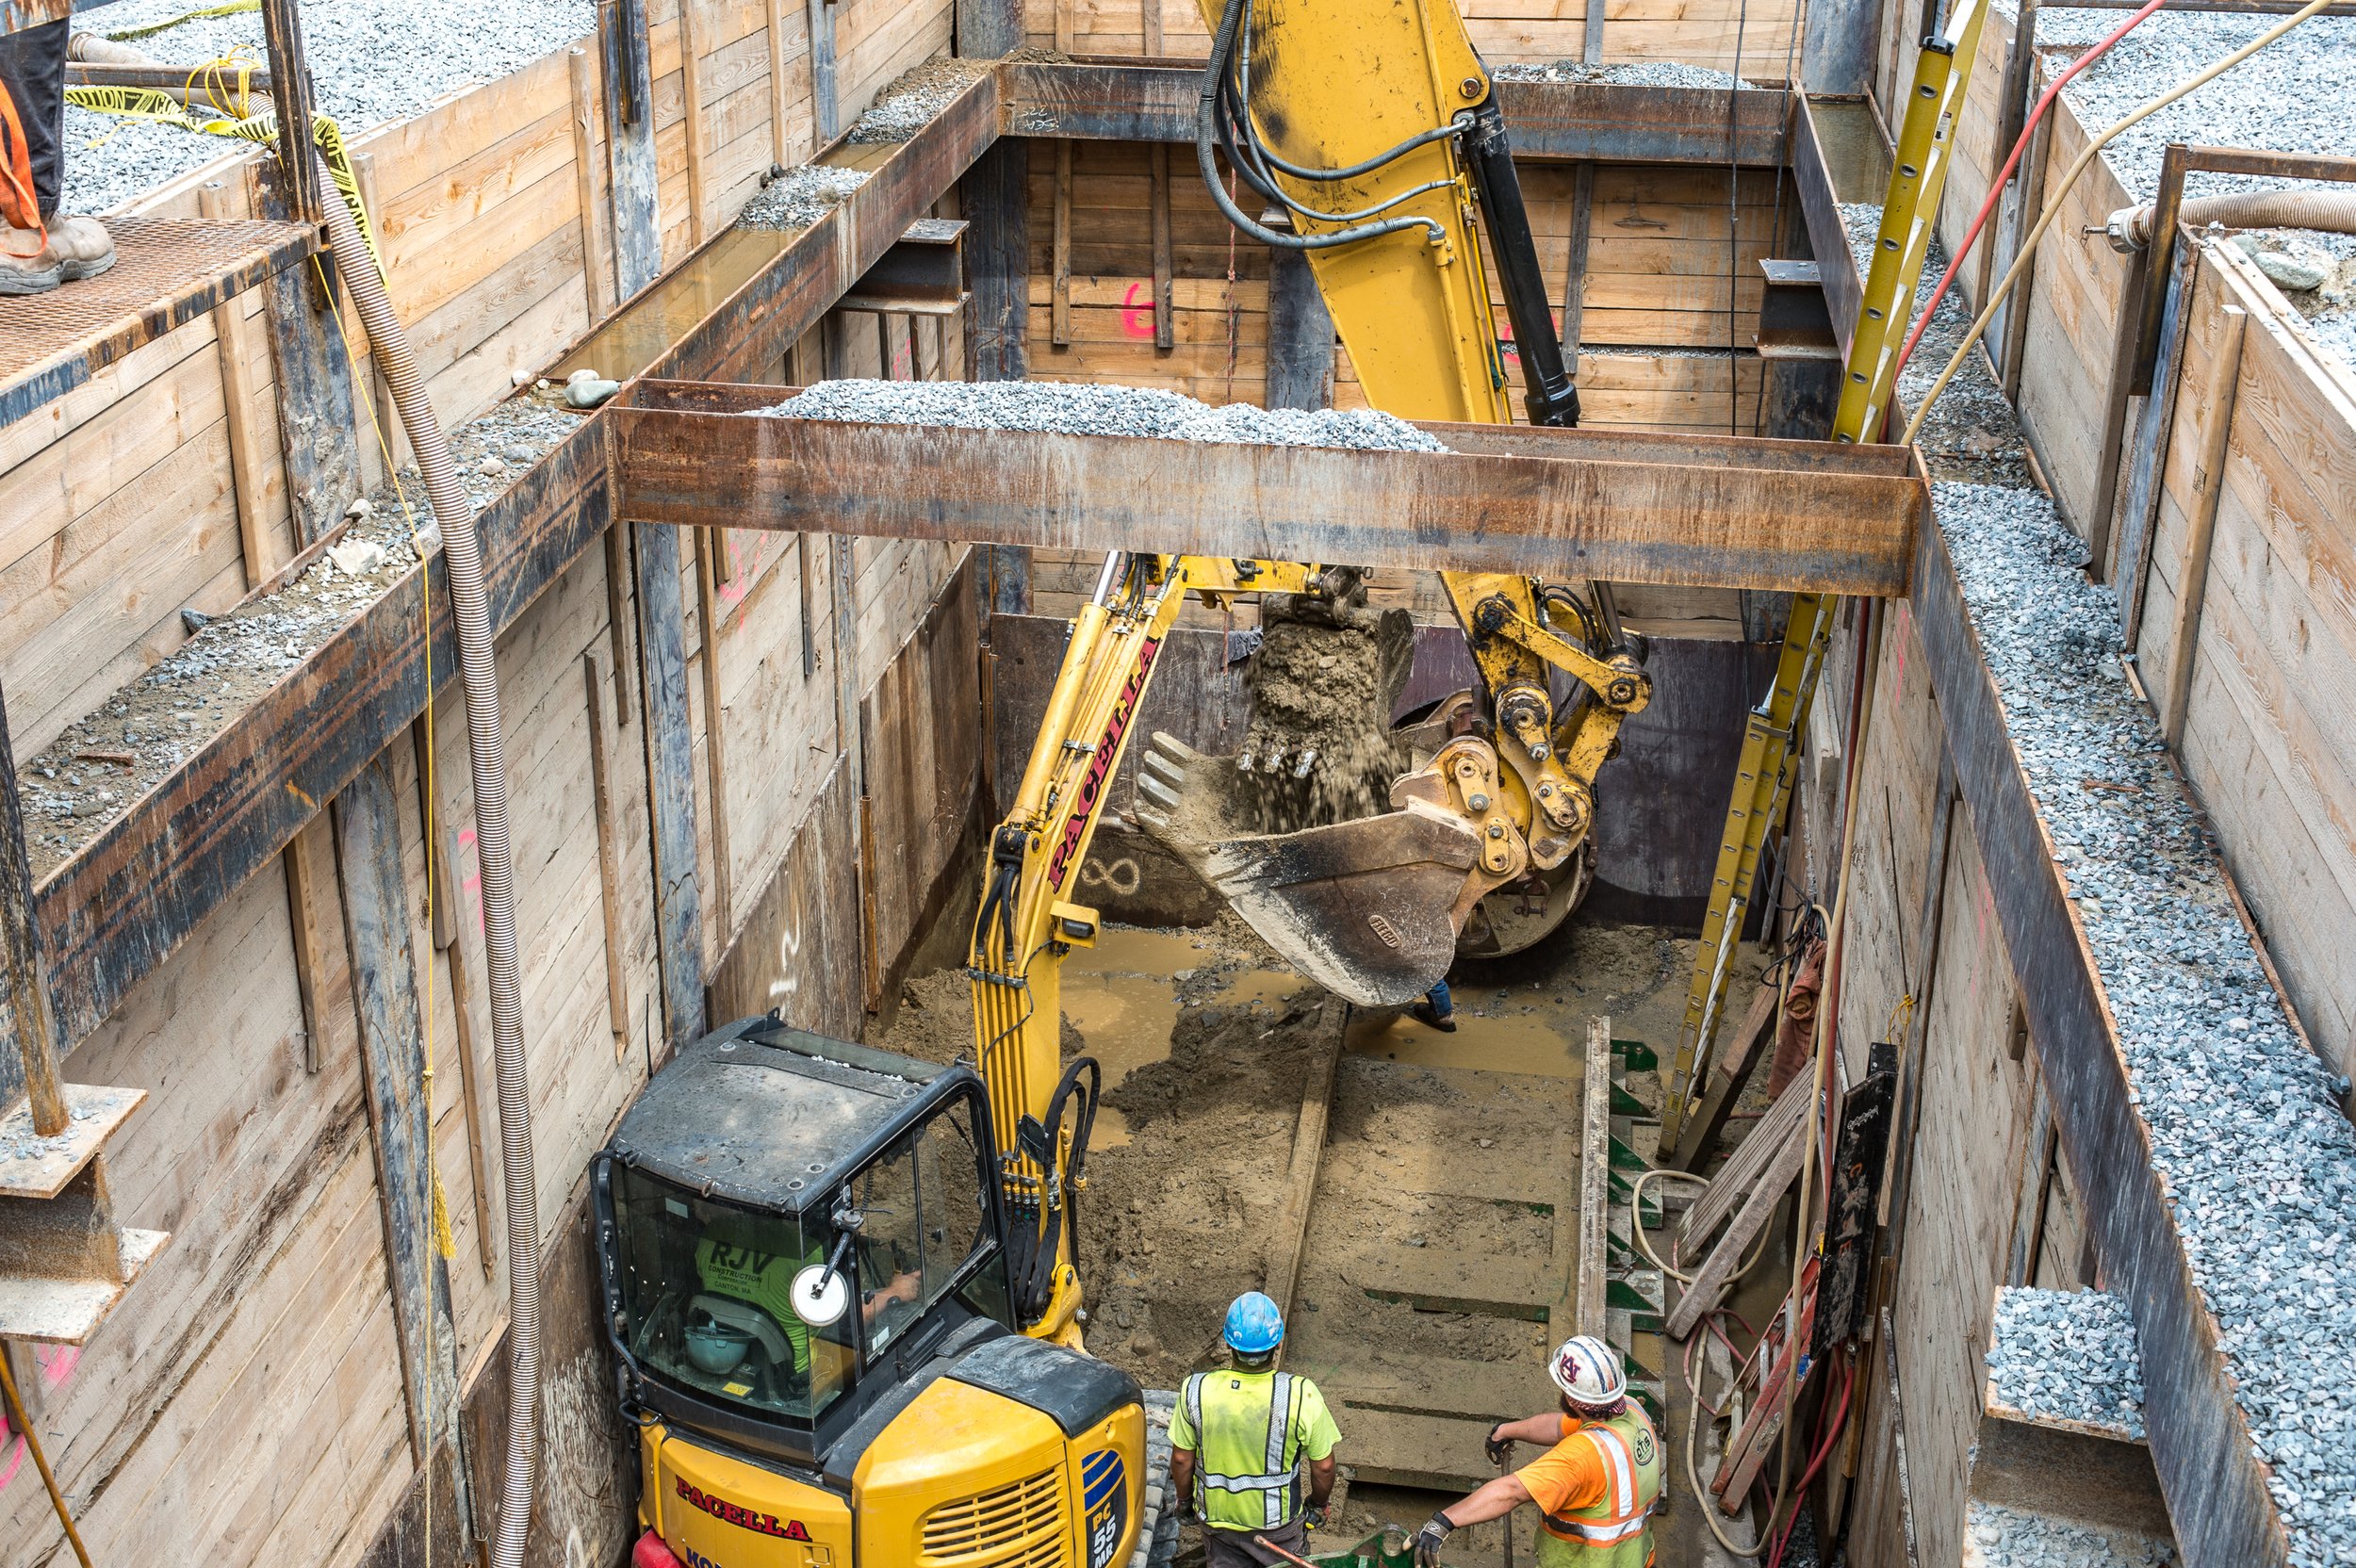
743	1518
1105	1492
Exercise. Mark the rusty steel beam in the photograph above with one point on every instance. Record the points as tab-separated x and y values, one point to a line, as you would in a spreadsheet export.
1124	100
1698	510
1827	239
125	900
2200	1443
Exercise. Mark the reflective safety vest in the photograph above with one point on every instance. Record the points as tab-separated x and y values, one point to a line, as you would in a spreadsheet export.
1612	1532
1255	1458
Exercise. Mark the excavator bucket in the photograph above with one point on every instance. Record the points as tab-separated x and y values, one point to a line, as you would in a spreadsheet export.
1369	910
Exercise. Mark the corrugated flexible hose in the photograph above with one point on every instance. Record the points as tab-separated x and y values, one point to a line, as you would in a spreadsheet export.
2326	211
462	559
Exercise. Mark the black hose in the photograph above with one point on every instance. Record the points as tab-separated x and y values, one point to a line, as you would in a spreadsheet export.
1033	1273
1207	136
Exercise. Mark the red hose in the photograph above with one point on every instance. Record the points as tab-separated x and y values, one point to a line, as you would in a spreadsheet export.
1996	187
1823	1451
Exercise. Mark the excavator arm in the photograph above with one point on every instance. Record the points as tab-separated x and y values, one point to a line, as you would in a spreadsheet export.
1371	132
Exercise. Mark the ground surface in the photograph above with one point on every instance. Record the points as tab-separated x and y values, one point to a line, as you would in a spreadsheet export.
1438	1147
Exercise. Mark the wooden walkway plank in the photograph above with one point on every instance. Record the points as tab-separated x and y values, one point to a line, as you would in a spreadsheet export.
670	742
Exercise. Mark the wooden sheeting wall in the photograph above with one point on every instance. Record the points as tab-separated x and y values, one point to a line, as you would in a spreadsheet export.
1708	33
2272	690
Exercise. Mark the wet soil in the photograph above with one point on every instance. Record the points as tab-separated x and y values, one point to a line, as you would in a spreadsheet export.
1325	693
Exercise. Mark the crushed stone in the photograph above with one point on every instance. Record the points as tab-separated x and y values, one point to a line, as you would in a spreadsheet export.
909	102
2067	1354
800	196
2326	308
1081	409
372	61
1623	74
81	781
2247	1134
1973	435
2282	98
2008	1538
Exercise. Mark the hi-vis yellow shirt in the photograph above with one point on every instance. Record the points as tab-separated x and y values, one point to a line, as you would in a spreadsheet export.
1250	1431
726	1268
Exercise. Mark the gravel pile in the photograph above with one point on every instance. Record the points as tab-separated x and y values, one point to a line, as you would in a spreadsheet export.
800	196
1972	436
903	109
2247	1133
2002	1538
2285	98
1080	409
2067	1354
74	787
372	61
1628	73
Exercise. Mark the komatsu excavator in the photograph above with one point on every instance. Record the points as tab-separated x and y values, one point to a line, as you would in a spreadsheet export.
839	1284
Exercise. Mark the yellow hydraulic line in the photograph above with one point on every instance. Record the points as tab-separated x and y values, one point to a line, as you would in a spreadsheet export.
1762	781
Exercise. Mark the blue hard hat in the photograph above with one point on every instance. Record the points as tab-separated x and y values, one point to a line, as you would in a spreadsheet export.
1255	1326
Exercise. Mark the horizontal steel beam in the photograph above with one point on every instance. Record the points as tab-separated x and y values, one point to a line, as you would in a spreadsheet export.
1548	121
1721	511
124	901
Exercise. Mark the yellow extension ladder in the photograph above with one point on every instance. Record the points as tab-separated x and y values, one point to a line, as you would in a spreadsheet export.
1763	779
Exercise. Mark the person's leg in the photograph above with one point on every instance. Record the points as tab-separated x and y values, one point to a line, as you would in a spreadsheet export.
32	68
1437	1009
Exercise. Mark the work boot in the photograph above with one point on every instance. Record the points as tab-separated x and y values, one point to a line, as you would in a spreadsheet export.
27	265
83	246
1431	1017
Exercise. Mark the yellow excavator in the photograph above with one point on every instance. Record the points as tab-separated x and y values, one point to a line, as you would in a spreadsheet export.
839	1284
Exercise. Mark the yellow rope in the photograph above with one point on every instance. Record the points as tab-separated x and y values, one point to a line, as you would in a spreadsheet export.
162	108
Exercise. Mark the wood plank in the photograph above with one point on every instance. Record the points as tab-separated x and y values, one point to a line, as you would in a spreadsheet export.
384	984
1300	340
318	432
715	730
1289	1230
610	889
1434	1452
691	47
1595	1180
595	247
1482	1391
1709	1282
444	851
29	1048
310	884
1733	1070
2192	577
826	108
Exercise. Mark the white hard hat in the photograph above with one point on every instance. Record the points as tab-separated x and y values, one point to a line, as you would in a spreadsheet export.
1588	1370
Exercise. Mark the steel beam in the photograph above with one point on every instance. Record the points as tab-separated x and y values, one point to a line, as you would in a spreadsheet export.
1548	121
1696	510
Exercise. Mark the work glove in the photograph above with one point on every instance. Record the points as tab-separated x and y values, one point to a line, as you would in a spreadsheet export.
1499	1448
1429	1539
1313	1517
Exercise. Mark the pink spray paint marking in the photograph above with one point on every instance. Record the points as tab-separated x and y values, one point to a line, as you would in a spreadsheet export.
57	1363
1137	320
16	1457
471	883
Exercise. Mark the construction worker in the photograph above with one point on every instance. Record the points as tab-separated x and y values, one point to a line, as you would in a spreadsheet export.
39	250
1237	1439
1595	1486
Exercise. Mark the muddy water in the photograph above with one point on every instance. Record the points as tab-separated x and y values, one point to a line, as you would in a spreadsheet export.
1530	1038
1124	996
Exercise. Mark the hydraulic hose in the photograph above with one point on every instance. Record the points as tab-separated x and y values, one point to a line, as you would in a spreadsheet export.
461	560
2327	211
1206	135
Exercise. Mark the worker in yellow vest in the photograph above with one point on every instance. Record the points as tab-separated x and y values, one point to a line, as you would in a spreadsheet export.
1237	1441
1597	1485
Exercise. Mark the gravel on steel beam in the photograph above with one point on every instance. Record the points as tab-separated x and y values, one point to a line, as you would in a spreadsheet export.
1624	73
2068	1355
800	196
371	61
905	106
2256	1157
1076	409
2008	1537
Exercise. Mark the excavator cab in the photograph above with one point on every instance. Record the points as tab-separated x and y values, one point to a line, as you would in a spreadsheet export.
803	1251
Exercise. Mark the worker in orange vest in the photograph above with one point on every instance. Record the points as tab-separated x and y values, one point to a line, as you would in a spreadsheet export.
1596	1487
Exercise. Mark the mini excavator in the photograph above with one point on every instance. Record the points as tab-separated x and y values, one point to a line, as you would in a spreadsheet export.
840	1283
